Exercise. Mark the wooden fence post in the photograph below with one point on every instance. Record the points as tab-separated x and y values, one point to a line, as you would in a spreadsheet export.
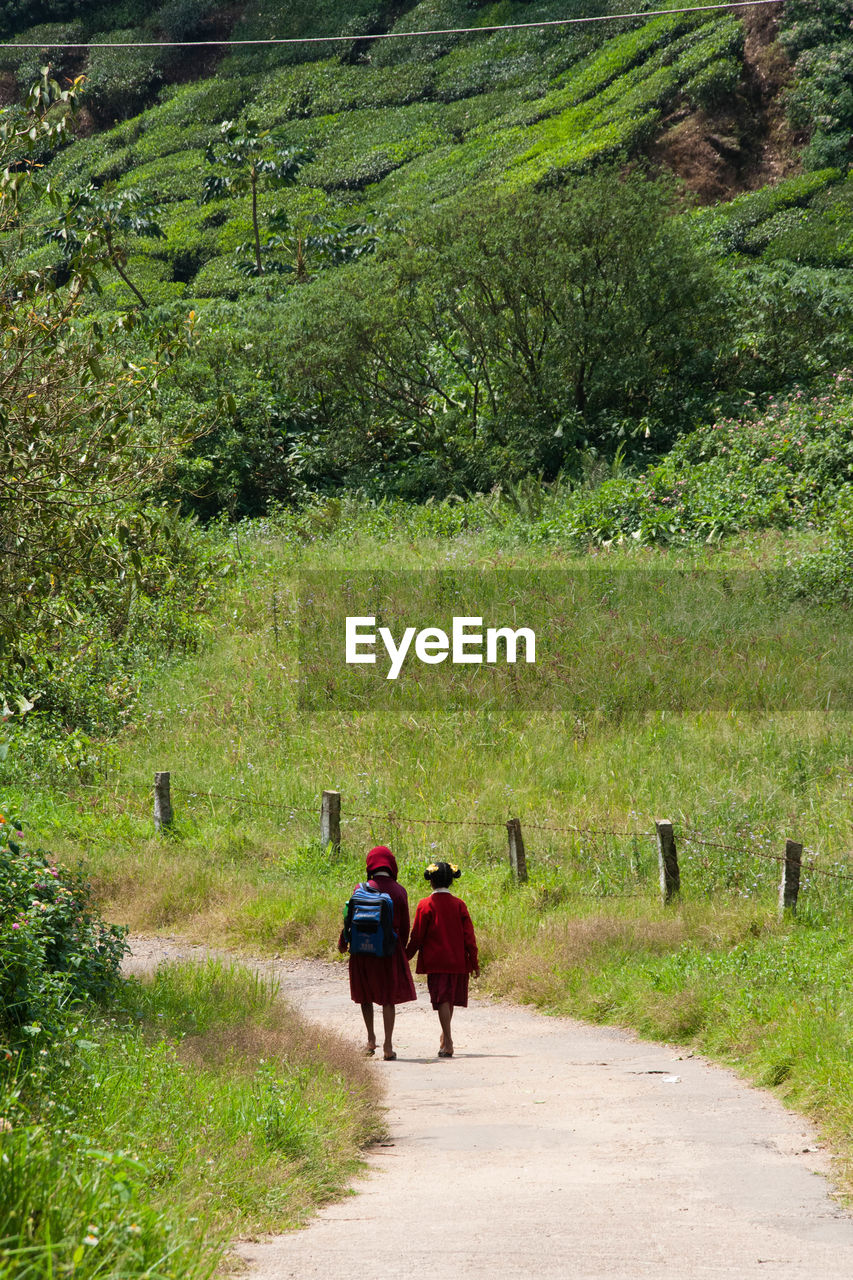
162	801
670	880
790	885
330	820
517	856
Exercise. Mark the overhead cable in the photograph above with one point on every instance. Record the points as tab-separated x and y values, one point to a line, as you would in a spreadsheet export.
386	35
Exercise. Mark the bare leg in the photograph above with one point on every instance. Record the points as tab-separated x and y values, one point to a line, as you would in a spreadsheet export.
445	1014
389	1014
367	1014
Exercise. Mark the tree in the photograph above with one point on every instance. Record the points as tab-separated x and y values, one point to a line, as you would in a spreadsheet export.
248	158
81	442
94	225
301	251
531	323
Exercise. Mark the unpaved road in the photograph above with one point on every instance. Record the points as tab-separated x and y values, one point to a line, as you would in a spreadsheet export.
548	1148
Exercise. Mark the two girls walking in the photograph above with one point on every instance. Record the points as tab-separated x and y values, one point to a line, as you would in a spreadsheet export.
442	936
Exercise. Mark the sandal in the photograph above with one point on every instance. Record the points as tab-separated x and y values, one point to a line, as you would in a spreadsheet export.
390	1057
445	1053
369	1050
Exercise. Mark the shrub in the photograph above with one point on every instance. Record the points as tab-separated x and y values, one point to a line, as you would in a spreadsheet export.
821	98
731	227
715	84
502	334
54	947
776	469
826	574
201	102
267	18
181	19
120	82
27	63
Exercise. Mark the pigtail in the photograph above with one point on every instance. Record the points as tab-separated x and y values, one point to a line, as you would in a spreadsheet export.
442	874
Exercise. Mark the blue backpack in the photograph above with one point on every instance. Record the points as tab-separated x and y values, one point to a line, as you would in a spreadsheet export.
369	923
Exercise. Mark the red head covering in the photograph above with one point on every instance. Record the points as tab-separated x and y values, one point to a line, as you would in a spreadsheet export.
381	859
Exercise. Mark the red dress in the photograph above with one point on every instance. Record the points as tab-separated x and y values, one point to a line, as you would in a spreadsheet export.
384	979
444	938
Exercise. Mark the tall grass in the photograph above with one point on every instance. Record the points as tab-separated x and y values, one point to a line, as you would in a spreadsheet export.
139	1143
769	758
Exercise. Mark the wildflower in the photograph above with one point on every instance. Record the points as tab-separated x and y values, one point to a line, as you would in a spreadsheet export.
90	1239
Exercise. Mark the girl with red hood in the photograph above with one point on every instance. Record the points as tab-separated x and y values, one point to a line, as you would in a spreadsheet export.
384	980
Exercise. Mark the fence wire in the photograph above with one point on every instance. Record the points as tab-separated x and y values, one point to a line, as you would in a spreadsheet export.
396	819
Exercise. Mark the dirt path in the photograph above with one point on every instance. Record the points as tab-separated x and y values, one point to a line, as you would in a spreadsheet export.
548	1148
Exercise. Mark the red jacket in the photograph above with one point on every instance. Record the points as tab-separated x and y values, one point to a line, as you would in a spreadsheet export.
443	935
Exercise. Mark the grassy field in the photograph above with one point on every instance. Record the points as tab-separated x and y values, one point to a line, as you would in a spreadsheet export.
219	1112
768	757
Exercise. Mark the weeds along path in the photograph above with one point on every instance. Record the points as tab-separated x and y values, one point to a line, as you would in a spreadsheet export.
549	1148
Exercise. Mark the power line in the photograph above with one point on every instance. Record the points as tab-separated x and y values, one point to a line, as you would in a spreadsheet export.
392	35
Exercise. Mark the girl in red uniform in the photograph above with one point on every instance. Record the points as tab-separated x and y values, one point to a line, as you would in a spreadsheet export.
384	980
443	935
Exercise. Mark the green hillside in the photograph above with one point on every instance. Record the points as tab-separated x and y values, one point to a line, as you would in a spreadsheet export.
361	149
397	125
559	265
390	128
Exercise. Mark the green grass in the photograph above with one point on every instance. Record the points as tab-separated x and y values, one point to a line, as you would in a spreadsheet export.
587	935
219	1111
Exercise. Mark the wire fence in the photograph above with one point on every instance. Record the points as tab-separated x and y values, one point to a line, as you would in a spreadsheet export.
600	843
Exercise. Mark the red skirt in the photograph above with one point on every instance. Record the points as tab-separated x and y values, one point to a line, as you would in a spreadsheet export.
381	979
448	988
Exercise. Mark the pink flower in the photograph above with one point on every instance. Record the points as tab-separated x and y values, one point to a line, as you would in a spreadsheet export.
16	926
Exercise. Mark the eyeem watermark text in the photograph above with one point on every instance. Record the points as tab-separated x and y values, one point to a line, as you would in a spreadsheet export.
432	645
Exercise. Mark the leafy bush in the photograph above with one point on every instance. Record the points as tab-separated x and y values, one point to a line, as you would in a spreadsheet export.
181	19
267	18
732	227
54	947
325	88
826	574
18	15
27	63
791	324
784	467
714	84
821	100
200	102
361	147
499	337
120	82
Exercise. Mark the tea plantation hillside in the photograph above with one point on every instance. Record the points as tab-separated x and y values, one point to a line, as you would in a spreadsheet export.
272	187
583	269
387	129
